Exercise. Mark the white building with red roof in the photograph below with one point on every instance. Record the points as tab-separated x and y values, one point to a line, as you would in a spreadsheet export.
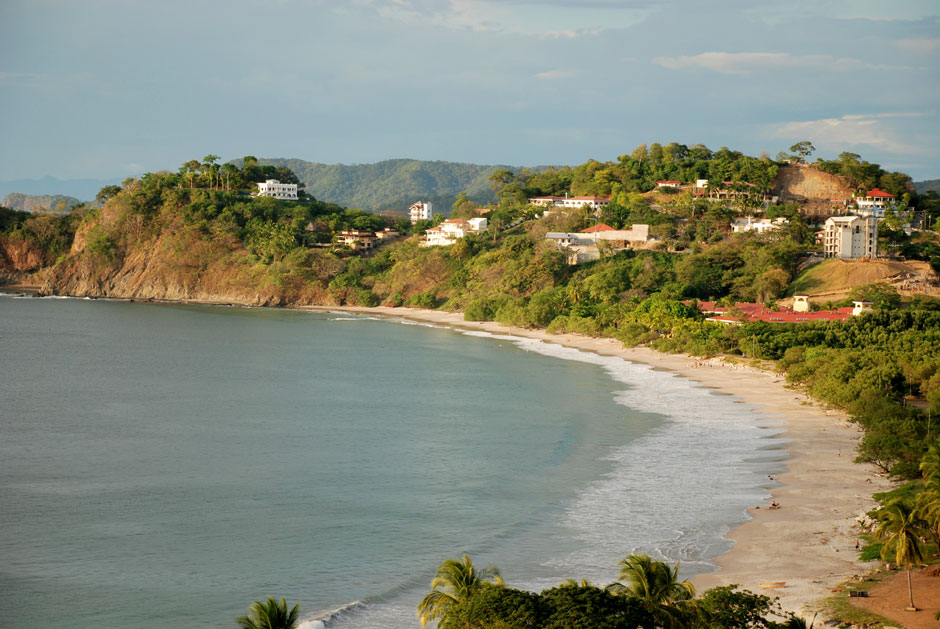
420	211
875	202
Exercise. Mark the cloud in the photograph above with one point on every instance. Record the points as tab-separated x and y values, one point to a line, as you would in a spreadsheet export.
919	46
852	130
570	33
752	62
554	74
557	19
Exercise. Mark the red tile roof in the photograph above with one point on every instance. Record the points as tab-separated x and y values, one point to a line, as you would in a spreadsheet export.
880	194
600	227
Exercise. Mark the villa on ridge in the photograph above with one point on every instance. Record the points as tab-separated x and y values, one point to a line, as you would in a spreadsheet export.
276	189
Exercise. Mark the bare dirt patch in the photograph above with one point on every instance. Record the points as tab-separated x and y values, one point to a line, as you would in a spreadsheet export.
891	597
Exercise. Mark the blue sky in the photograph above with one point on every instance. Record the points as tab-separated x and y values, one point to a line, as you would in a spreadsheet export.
112	88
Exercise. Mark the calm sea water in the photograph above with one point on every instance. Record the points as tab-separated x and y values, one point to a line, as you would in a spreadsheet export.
165	464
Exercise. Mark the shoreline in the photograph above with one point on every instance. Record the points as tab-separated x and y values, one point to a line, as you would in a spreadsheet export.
809	543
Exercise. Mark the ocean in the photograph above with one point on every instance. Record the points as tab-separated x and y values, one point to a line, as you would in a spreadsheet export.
166	463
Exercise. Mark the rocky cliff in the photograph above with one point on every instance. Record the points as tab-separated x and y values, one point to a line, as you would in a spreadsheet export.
178	264
803	183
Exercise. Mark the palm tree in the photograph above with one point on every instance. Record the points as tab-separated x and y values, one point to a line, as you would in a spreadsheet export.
928	501
453	583
899	528
657	586
270	615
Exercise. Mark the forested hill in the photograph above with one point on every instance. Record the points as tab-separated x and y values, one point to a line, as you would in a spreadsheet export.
923	186
39	203
393	184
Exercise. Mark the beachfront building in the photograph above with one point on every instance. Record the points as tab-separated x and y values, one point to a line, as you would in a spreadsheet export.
875	202
420	211
851	237
451	230
276	189
759	225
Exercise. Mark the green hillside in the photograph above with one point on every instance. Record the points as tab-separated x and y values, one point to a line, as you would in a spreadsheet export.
39	203
923	186
393	184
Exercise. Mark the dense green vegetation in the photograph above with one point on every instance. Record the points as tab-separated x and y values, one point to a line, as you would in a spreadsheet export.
648	594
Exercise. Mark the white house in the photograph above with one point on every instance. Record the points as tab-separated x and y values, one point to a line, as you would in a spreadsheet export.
875	202
851	237
355	239
583	246
669	183
759	225
278	190
594	203
420	211
451	230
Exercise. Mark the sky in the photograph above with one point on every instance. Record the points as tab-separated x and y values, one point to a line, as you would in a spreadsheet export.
115	88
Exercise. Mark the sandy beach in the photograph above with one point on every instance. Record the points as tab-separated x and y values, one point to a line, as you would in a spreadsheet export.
809	542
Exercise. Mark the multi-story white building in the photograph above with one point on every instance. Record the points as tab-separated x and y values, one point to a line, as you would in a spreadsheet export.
851	237
278	190
448	232
875	202
420	211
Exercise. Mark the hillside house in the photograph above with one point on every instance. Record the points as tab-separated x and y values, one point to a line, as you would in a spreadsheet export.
387	234
355	239
420	211
759	225
276	189
875	202
851	237
583	246
594	203
671	183
451	230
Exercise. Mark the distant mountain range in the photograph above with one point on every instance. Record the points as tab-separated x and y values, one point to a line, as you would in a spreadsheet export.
40	203
393	184
82	189
388	185
924	186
